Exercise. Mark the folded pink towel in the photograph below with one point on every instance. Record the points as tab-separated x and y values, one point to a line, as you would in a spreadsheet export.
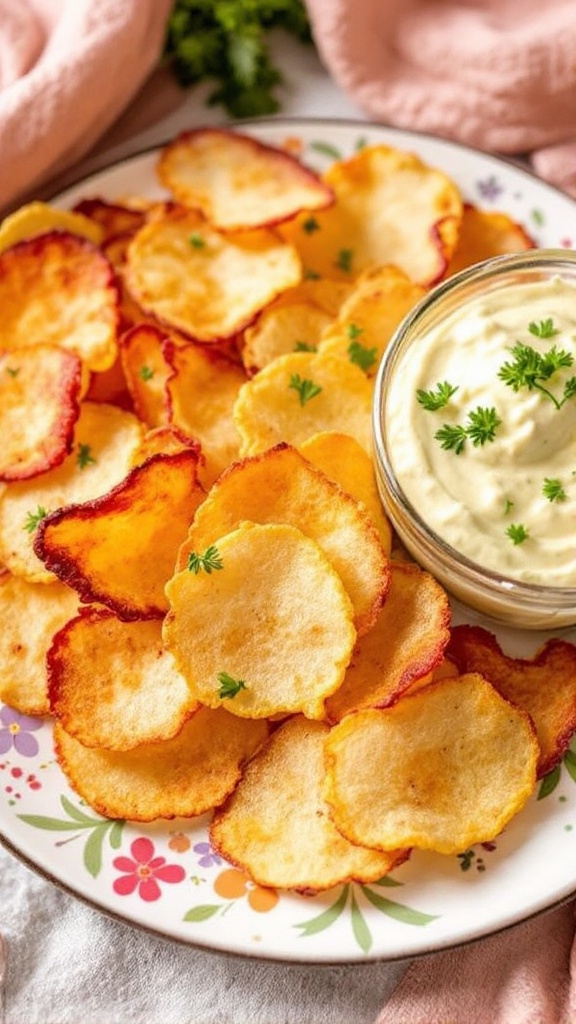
67	70
499	75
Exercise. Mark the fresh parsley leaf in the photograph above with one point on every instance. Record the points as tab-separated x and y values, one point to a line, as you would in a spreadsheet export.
210	561
229	687
481	427
553	489
196	240
508	506
310	275
304	346
530	368
84	456
146	373
517	533
344	260
353	331
361	355
436	398
306	389
326	149
310	225
543	329
451	438
13	371
33	518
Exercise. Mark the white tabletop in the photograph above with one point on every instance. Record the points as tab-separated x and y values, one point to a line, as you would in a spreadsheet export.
69	964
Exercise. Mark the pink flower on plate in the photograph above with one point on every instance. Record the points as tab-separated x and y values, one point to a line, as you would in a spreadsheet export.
143	871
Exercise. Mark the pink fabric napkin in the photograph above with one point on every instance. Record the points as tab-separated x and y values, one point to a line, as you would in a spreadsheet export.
67	70
499	75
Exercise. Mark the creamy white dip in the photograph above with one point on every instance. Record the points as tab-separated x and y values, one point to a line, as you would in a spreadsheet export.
482	499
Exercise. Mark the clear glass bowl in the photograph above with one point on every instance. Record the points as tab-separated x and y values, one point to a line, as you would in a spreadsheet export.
504	599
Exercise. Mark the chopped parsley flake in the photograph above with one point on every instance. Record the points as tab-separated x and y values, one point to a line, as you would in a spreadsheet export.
344	260
146	373
84	456
33	518
517	533
306	389
353	331
553	490
310	225
229	687
210	561
196	240
13	371
436	399
361	355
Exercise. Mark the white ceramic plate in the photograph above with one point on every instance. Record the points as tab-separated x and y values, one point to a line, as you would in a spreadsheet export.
428	904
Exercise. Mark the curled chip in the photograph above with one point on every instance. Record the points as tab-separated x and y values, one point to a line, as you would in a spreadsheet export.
184	776
111	684
105	439
390	208
237	182
40	390
276	824
486	233
111	219
260	622
146	372
59	289
302	394
166	440
110	386
119	549
38	218
440	770
282	486
379	300
201	391
206	284
291	323
342	459
407	642
543	686
31	614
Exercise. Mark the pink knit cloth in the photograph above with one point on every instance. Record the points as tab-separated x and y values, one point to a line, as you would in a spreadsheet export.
499	75
67	70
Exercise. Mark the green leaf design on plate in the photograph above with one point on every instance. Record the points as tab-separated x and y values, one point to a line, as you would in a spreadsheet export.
397	910
549	782
570	764
360	929
203	912
326	149
538	217
387	881
327	918
78	821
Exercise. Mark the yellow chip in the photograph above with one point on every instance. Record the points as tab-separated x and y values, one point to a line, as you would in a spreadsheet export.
38	218
185	776
390	207
238	182
166	440
105	440
111	684
59	289
345	461
40	391
276	824
31	614
441	770
302	394
261	622
487	233
146	372
379	300
406	643
119	549
282	328
282	486
206	284
201	391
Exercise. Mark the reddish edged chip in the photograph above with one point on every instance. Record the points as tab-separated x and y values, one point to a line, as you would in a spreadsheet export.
146	372
40	390
238	182
544	686
113	218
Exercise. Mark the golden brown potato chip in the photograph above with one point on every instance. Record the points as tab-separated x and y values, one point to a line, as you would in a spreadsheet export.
119	549
201	391
146	372
276	825
282	486
112	219
31	614
440	770
40	391
111	684
166	440
302	394
238	182
345	461
260	621
281	328
544	686
379	300
38	218
59	289
407	642
105	439
208	285
486	233
185	776
390	208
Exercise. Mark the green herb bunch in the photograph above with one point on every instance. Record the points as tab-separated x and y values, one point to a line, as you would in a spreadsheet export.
225	40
